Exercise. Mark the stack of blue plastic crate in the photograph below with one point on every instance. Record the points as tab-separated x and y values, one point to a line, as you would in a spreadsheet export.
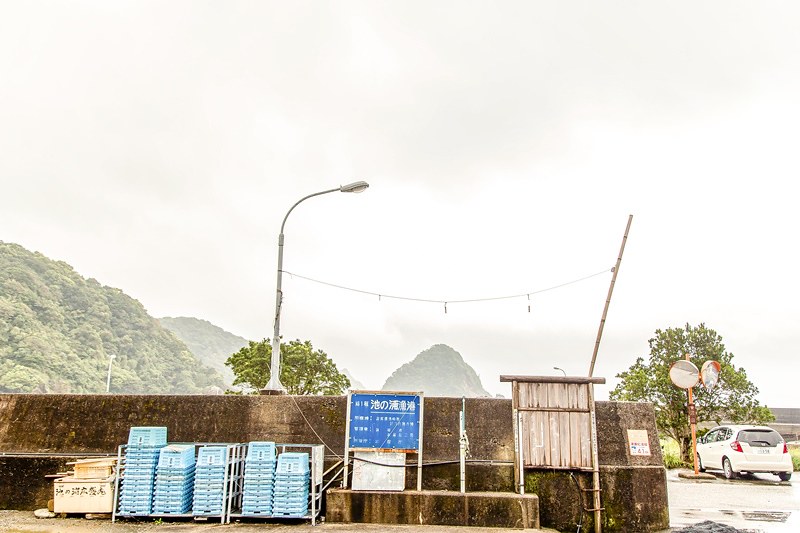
209	481
259	474
174	480
292	478
141	458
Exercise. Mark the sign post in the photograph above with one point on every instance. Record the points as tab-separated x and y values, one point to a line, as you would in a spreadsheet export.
684	374
382	421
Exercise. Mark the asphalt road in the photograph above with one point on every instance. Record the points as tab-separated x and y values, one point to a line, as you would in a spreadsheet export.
759	502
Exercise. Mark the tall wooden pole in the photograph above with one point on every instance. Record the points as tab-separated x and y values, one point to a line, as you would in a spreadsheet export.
608	298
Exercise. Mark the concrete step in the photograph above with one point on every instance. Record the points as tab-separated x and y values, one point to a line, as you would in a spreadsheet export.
444	508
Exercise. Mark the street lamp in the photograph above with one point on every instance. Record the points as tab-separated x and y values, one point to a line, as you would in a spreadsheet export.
561	369
111	357
275	386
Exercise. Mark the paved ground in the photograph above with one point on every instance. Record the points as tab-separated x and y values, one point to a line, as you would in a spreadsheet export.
25	522
758	503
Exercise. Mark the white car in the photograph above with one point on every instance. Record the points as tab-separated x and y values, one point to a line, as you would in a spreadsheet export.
739	449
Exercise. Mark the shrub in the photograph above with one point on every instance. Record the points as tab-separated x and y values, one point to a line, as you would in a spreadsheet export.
795	453
672	454
672	460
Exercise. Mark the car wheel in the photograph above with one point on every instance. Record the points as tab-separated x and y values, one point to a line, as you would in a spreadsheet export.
785	476
728	469
700	464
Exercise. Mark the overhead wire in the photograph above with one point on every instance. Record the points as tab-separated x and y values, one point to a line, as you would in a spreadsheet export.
447	302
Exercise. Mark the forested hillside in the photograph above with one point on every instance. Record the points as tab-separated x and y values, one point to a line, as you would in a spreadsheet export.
211	344
57	330
438	371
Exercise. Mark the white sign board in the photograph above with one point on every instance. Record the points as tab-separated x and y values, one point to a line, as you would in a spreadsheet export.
379	471
638	442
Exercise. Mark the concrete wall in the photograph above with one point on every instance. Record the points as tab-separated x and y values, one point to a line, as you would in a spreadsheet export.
35	429
633	487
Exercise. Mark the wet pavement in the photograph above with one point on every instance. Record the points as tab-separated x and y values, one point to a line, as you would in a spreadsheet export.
755	503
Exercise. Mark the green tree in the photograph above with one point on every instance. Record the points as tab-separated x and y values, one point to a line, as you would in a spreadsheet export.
304	370
734	399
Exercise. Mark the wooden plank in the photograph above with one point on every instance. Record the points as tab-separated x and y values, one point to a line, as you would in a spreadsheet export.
536	441
553	379
553	450
565	441
542	439
586	441
539	396
553	395
583	397
575	440
572	402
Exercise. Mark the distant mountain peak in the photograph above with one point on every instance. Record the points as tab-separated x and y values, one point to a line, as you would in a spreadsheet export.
208	342
437	371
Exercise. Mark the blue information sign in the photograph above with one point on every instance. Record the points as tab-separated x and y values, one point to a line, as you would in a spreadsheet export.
384	421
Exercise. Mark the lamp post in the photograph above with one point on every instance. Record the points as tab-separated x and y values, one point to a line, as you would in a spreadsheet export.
561	369
111	357
275	386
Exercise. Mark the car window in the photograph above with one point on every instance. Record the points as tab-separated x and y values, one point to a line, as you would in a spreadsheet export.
711	436
760	437
726	434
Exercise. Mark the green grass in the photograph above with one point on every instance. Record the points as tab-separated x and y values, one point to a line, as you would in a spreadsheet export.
672	454
795	453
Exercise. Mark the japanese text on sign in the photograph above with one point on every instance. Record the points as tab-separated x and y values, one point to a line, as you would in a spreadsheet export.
638	442
82	490
384	421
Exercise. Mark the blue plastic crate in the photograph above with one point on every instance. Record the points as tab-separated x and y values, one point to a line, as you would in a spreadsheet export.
136	491
136	502
290	513
258	489
294	482
211	511
133	511
296	496
171	498
257	512
211	469
176	456
211	498
212	456
292	463
257	494
147	436
260	467
299	504
133	455
261	451
173	491
206	488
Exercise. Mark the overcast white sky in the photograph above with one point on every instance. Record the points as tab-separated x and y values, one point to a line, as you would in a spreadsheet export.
156	146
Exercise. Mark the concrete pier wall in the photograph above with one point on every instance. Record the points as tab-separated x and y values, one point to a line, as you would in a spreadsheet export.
40	433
